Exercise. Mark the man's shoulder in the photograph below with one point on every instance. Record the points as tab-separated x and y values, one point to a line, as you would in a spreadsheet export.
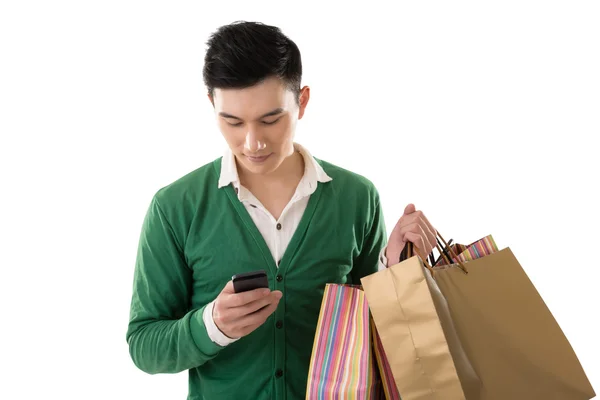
190	186
343	177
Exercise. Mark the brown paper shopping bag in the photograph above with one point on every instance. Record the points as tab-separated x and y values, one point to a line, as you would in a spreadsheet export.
502	325
509	334
418	335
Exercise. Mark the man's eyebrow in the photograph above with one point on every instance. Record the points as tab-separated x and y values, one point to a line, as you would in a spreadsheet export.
269	114
274	112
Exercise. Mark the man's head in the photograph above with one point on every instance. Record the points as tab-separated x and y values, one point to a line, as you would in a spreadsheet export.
253	72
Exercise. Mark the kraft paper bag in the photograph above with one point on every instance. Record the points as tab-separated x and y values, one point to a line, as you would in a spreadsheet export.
443	333
508	333
415	327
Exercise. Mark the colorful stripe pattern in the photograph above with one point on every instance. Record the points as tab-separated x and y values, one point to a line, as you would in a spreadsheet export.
389	386
481	248
342	365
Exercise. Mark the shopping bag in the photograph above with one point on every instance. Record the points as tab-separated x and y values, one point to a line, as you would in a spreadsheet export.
385	371
509	334
418	336
346	359
482	247
502	325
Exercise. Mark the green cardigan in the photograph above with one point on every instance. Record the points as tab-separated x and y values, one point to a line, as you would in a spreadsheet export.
195	236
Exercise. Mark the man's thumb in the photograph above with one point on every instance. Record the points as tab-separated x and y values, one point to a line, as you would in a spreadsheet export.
410	209
228	288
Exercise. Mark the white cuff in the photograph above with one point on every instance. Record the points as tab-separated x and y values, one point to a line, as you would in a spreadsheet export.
383	261
214	333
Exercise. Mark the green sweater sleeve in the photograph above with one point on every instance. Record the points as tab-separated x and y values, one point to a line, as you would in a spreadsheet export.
367	262
164	334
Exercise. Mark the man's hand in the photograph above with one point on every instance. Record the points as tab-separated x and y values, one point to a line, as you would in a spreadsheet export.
237	314
412	227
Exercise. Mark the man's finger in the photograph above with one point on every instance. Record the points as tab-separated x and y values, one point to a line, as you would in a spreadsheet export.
418	237
409	227
431	228
231	300
418	241
256	319
250	308
228	288
410	209
427	230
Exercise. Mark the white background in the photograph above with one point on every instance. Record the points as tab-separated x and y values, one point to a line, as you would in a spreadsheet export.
486	116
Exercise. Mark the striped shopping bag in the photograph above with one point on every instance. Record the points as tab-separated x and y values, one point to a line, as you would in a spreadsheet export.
347	359
481	248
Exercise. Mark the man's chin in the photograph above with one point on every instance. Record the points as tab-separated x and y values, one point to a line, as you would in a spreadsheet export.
260	169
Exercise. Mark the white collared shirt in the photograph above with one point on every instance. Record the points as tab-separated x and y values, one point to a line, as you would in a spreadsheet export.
277	239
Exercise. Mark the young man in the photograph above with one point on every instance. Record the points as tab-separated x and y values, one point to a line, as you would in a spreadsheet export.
266	204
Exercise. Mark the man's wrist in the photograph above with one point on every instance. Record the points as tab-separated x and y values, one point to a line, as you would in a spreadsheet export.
214	332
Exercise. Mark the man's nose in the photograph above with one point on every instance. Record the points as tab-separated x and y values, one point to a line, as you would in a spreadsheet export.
254	141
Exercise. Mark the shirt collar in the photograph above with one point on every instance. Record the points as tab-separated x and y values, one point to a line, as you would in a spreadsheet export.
313	173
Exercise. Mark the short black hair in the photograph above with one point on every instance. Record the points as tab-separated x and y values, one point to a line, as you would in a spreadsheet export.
243	54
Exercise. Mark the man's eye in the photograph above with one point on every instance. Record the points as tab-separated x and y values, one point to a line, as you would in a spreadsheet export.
271	122
235	123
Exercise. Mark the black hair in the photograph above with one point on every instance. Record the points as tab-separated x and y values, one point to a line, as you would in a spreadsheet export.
243	54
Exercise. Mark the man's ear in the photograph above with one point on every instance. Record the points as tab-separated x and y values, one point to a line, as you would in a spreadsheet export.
304	97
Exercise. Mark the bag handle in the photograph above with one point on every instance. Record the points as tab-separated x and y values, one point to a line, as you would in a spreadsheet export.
410	249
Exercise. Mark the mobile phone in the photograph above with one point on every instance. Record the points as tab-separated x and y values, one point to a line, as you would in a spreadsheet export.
250	281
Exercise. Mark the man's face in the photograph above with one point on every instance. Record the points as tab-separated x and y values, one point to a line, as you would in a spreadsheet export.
259	123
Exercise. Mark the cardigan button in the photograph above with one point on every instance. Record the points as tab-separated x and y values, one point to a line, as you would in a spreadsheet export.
279	324
279	278
279	373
